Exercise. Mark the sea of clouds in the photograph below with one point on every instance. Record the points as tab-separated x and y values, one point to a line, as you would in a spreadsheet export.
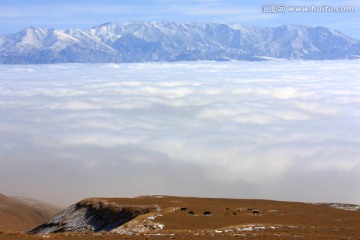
286	130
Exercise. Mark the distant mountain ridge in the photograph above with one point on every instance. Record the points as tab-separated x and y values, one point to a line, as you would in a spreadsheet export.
153	41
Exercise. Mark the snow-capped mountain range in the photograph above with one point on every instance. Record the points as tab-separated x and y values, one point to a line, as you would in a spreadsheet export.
153	41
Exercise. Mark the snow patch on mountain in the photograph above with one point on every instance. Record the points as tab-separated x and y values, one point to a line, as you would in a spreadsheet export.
342	206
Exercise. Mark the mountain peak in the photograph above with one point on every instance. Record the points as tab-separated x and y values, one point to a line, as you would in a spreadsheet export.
32	28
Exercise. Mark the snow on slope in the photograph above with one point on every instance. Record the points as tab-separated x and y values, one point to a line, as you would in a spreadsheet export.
92	215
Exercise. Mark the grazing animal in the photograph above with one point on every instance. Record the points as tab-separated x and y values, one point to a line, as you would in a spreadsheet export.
234	213
256	212
183	209
249	209
227	209
191	213
207	213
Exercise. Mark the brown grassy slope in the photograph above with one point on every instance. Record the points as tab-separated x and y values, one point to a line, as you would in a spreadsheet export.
272	213
277	220
21	214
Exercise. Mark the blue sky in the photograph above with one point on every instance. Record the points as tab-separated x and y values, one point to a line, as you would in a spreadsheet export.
17	14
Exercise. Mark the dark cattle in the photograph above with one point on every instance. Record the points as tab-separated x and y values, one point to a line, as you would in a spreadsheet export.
256	212
191	212
234	213
249	209
227	209
183	209
207	213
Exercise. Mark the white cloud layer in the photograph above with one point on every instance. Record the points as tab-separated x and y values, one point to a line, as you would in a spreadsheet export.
280	129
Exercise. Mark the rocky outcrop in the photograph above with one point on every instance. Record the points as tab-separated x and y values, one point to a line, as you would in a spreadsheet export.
92	215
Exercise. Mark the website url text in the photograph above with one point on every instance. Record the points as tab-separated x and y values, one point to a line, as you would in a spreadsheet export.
282	8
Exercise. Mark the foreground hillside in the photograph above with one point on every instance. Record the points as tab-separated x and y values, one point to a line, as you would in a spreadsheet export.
20	214
163	217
